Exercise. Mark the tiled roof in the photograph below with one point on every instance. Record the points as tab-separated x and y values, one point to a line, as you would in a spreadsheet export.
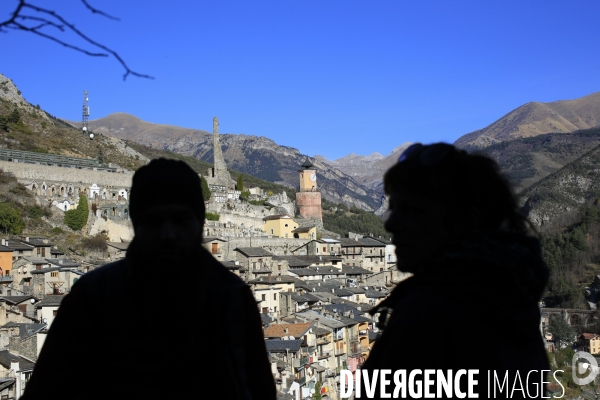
320	331
212	239
16	299
279	330
353	270
371	242
63	262
281	346
254	252
6	357
17	245
374	294
4	249
321	270
323	320
38	242
346	242
588	336
36	260
293	261
279	216
51	300
303	229
25	329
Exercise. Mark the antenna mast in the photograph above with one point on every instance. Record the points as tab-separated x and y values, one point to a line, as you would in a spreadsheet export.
86	114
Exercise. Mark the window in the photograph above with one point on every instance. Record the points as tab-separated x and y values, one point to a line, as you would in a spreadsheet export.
275	296
275	309
286	225
264	297
54	274
272	231
43	252
54	312
324	249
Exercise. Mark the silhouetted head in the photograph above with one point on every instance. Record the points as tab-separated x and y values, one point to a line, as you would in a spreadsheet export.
439	194
167	209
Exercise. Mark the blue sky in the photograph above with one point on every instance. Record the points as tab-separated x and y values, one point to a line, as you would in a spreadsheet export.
329	77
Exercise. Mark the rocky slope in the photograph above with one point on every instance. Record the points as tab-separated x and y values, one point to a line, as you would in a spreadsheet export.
564	191
535	118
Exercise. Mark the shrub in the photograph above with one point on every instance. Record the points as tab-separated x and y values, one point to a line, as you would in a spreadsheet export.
57	230
95	243
212	216
10	219
205	189
76	219
245	194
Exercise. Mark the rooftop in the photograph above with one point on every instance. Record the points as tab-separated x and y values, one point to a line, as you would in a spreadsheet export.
254	252
281	330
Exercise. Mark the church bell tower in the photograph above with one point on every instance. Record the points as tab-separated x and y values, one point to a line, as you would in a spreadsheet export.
308	196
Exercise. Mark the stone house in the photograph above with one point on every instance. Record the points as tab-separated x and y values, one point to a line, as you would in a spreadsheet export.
15	371
267	291
321	247
257	260
25	339
293	302
589	342
46	309
215	246
53	280
42	247
352	252
19	249
373	254
22	277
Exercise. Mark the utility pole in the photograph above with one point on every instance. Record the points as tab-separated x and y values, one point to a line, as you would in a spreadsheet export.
85	115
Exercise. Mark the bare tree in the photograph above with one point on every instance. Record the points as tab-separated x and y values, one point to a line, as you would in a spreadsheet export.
46	23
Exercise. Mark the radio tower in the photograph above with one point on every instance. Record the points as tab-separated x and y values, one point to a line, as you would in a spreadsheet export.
86	114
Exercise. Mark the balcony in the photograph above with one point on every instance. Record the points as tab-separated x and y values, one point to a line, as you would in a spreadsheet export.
339	352
322	341
6	279
324	354
352	252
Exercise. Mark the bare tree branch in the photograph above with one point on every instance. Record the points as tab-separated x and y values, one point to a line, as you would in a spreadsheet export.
96	11
50	21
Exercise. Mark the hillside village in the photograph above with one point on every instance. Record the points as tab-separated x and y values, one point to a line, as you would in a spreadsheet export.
312	287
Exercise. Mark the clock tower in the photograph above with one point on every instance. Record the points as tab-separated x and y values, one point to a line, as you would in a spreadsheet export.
308	197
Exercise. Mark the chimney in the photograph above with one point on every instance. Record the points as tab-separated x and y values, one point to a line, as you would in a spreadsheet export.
60	261
27	239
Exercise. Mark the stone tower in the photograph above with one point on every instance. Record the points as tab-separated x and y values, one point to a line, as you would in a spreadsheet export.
218	174
308	197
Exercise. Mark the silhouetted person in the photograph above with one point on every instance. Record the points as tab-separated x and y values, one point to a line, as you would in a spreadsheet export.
167	322
472	302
